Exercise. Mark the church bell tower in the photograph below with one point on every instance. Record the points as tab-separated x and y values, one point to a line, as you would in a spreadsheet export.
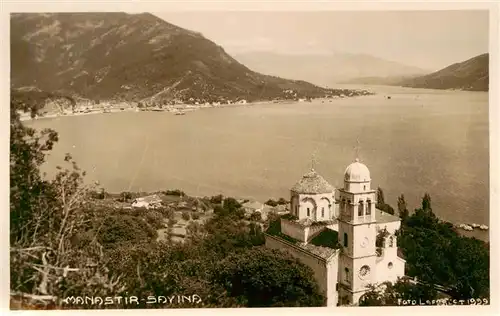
357	234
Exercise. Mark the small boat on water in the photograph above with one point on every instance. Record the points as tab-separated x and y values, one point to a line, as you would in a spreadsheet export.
180	113
483	227
474	225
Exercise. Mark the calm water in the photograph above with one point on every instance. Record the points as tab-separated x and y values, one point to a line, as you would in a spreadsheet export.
419	141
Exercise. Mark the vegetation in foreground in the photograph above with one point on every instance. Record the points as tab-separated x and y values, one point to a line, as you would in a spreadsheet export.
438	256
63	244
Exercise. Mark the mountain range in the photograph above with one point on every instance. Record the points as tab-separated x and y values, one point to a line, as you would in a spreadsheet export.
326	69
471	75
132	57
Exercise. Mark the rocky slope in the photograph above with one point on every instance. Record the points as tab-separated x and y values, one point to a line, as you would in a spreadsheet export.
132	57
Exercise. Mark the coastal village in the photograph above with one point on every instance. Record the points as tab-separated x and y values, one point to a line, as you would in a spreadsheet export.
63	106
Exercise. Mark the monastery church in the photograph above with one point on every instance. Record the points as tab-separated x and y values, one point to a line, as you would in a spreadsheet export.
340	234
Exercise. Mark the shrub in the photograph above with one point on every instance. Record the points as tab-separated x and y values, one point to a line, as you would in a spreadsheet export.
117	229
195	216
217	199
256	216
282	201
175	192
271	202
155	219
125	197
185	216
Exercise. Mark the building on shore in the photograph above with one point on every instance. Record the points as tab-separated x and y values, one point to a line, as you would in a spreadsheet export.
148	202
340	235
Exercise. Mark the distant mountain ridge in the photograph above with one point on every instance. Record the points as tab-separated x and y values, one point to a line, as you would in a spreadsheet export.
325	69
131	57
471	75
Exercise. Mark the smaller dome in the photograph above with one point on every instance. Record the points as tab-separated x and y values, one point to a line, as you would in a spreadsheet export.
312	183
357	172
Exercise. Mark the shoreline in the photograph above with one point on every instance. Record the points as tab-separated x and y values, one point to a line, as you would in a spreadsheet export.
181	108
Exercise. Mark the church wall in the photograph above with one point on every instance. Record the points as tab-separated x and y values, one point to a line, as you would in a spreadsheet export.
364	242
361	282
324	202
293	230
357	187
344	277
294	204
307	202
321	269
384	273
315	203
333	269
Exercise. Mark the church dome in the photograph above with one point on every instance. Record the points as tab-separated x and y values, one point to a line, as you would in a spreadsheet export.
357	172
312	183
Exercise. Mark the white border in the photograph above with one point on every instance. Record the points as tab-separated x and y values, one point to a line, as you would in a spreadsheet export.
6	7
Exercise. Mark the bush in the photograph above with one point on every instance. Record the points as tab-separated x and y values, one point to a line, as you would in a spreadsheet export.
174	192
155	219
185	216
118	229
125	197
282	201
271	202
216	199
256	216
195	216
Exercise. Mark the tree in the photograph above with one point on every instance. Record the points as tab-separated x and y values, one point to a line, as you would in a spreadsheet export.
402	208
426	202
45	217
380	196
260	277
381	205
437	254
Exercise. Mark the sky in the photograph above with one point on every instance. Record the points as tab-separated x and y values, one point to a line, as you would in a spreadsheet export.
427	39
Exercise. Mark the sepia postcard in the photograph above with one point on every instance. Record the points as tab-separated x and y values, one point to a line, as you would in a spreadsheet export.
272	155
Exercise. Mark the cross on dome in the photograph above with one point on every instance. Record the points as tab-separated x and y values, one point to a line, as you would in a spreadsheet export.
313	162
357	148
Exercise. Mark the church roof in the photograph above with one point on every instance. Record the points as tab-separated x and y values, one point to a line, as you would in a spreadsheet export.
383	217
312	183
357	172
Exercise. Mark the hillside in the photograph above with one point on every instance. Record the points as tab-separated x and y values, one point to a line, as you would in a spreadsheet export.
325	69
472	75
132	57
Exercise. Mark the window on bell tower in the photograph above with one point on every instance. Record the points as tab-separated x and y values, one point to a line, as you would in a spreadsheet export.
360	208
322	212
308	212
369	208
345	240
